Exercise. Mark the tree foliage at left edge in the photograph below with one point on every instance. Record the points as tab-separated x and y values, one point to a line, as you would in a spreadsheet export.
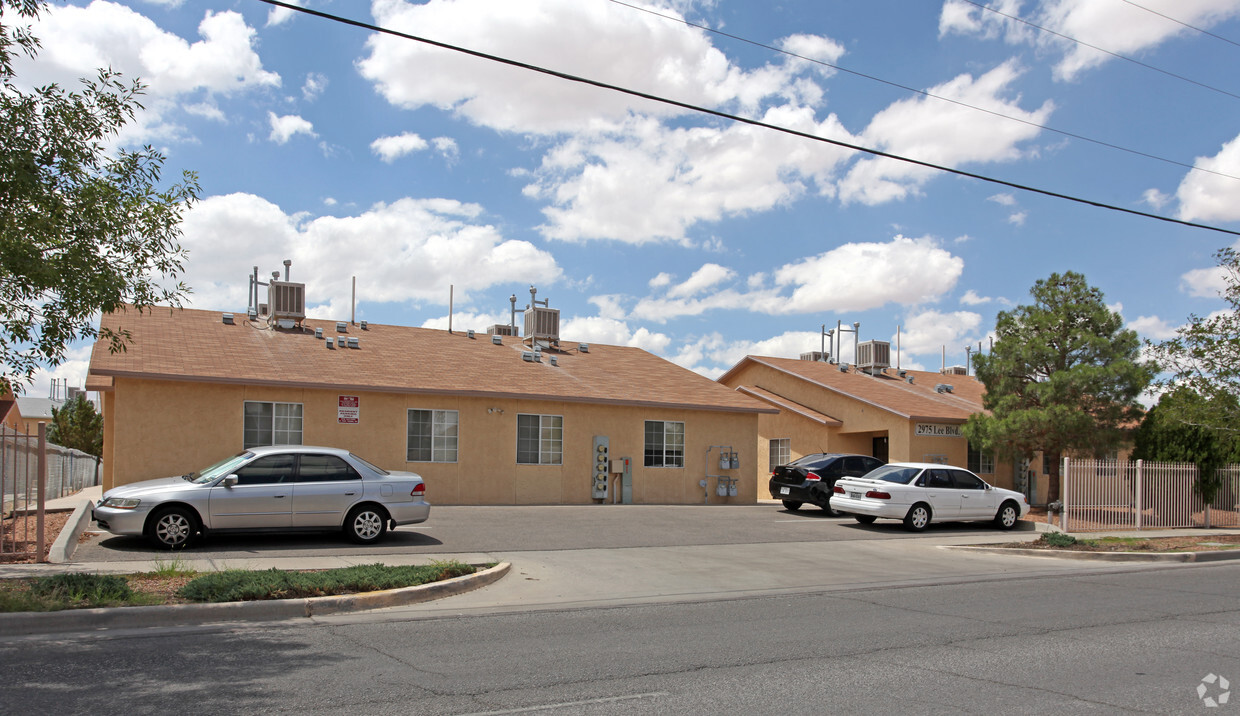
83	230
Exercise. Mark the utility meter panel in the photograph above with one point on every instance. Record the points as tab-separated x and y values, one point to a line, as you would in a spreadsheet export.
602	462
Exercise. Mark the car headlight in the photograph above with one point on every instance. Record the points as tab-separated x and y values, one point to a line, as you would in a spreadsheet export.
120	503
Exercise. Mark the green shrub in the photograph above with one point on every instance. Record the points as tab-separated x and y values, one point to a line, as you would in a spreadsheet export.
1058	539
240	585
82	587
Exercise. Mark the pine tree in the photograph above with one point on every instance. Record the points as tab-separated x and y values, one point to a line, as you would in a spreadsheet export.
77	425
1064	376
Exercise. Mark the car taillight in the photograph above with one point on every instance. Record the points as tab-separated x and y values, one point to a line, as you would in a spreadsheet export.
837	490
418	490
876	495
811	477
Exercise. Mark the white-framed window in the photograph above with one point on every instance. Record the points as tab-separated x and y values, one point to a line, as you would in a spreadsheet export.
432	435
540	439
271	424
981	463
781	452
665	444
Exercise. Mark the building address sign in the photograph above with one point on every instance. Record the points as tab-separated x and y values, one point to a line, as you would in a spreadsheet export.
939	430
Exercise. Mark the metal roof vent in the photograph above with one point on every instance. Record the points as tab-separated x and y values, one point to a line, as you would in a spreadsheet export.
470	333
497	339
330	344
527	356
228	319
910	380
318	333
353	343
342	326
903	373
583	347
873	356
287	300
365	326
341	341
943	388
554	361
843	367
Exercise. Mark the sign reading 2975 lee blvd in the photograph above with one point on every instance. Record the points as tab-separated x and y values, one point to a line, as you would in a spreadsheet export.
939	430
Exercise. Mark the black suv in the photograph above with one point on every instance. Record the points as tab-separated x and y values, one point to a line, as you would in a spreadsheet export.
811	478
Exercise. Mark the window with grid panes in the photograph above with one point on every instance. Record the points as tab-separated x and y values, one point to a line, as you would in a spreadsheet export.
665	444
540	439
271	424
432	435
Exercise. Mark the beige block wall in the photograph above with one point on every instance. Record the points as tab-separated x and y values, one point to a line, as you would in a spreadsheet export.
159	428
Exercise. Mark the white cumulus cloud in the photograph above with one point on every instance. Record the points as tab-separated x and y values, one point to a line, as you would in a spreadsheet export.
284	128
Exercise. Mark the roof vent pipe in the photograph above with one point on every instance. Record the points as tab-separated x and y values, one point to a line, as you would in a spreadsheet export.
287	264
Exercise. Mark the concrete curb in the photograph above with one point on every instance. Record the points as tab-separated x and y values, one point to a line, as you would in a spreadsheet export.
95	620
67	541
1212	556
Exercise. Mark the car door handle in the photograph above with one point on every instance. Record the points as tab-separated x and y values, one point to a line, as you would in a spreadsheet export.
278	497
350	494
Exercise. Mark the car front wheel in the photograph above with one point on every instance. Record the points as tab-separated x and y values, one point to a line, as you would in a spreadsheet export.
365	524
918	517
172	527
1007	516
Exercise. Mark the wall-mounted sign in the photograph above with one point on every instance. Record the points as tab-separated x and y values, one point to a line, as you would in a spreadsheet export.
349	409
939	430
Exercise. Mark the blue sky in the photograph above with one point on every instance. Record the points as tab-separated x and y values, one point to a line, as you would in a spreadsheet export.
415	168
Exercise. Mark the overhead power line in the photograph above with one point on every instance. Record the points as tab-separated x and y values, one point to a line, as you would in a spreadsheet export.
1181	22
1082	43
924	93
737	118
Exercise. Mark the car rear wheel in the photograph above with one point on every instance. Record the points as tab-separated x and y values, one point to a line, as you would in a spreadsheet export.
172	527
918	517
1007	516
792	505
865	519
366	524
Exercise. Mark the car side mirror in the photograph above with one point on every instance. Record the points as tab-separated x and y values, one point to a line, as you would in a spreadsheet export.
987	485
229	481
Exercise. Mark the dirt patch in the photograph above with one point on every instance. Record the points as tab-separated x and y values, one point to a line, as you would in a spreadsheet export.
1198	543
19	536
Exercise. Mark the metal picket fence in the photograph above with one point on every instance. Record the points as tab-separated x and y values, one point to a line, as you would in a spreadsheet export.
33	471
1124	495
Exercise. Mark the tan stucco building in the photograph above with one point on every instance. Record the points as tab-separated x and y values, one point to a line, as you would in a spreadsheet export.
894	415
483	419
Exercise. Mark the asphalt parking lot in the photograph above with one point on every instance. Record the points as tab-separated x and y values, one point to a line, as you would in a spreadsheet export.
480	529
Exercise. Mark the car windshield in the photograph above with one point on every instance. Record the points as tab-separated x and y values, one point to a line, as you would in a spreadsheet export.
377	469
894	473
223	467
809	460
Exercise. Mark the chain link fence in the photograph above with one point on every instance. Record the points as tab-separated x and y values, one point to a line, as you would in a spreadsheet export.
33	471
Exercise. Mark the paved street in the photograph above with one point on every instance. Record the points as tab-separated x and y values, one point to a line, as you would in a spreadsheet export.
1133	641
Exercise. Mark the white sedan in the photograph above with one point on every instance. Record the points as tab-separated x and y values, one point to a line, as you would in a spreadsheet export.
921	493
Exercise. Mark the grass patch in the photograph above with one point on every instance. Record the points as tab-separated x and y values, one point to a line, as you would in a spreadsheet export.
173	582
235	585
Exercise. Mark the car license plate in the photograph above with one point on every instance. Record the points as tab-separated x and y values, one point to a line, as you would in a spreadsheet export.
783	490
855	495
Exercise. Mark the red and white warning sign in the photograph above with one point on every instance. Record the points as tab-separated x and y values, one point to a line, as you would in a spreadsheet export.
349	409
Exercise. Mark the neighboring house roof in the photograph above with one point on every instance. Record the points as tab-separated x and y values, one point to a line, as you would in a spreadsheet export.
887	391
195	345
37	408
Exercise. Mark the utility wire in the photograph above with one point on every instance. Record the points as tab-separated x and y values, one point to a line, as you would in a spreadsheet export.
924	93
737	118
1099	49
1181	22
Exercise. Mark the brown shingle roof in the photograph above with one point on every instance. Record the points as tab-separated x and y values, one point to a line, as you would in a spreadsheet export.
195	345
887	391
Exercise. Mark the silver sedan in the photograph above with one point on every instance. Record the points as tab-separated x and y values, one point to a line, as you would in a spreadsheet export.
268	489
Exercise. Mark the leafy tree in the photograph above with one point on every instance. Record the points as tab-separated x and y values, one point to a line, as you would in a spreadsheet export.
1064	375
82	229
77	425
1164	436
1204	358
